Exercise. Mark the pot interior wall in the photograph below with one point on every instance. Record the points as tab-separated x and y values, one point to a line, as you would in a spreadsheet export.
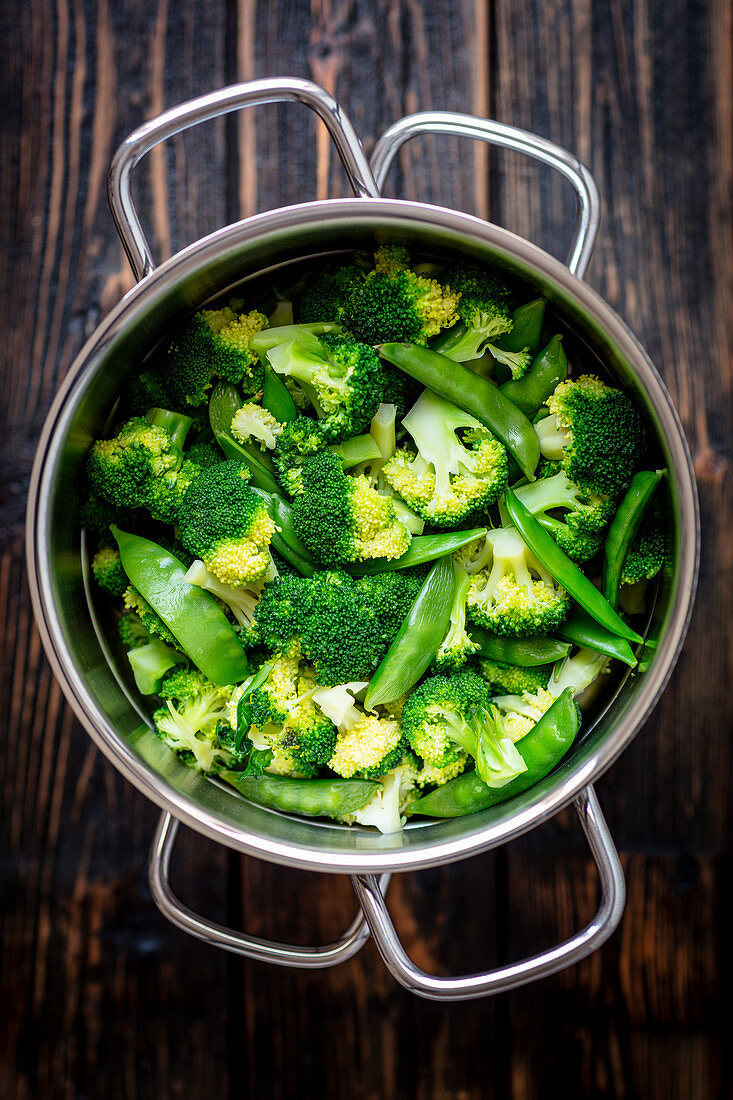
260	252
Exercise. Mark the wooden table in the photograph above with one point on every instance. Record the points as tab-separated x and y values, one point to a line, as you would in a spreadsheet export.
100	997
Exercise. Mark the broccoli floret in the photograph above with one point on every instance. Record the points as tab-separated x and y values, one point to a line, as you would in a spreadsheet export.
393	303
341	518
108	572
584	516
342	377
329	293
596	432
370	748
648	551
286	721
298	439
457	646
344	625
214	344
518	362
97	515
254	422
513	680
446	716
203	454
152	623
226	524
193	721
428	775
483	314
132	630
516	596
147	390
448	479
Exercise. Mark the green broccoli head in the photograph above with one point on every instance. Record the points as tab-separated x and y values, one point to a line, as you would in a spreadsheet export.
193	722
393	303
449	478
483	315
649	549
226	524
286	721
108	572
214	344
138	468
203	454
515	596
131	629
329	293
457	647
447	716
369	749
596	432
575	517
343	519
298	439
343	376
513	680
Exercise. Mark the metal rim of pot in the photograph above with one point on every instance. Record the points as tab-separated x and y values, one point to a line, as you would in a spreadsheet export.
267	233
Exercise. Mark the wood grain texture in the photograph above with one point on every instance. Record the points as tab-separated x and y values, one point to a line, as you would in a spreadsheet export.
99	996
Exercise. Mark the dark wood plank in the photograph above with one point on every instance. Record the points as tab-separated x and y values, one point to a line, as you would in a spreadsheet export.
106	997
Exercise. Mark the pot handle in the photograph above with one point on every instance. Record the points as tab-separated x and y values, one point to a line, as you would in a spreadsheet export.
509	137
516	974
239	943
224	100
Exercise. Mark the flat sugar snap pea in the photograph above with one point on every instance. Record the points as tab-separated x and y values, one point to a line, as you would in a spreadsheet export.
310	797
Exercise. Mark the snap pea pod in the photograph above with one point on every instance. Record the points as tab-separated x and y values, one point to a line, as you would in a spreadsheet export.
191	614
285	542
580	629
223	404
565	571
244	706
542	749
423	548
276	396
472	393
524	652
418	638
527	328
548	369
622	531
311	797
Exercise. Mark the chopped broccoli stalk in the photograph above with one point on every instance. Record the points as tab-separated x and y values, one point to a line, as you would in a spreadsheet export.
449	715
282	314
341	518
215	343
577	672
193	721
457	646
226	524
252	422
344	376
393	303
483	314
362	449
516	596
150	662
338	704
270	338
241	601
108	572
448	479
596	432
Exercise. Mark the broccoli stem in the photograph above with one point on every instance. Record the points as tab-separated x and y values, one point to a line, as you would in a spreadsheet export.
361	448
176	424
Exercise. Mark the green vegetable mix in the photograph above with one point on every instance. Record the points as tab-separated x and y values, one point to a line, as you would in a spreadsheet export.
354	550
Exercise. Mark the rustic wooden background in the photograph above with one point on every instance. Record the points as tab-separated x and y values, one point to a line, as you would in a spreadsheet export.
99	996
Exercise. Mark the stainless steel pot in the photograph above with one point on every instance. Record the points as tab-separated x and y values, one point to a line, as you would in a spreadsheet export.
259	247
